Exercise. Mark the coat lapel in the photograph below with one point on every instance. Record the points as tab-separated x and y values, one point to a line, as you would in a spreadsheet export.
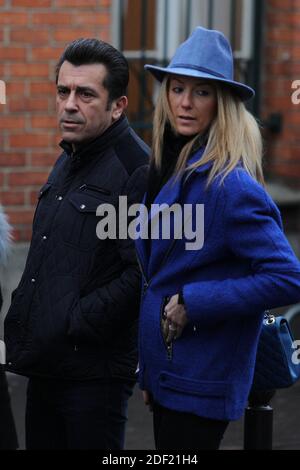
166	198
169	195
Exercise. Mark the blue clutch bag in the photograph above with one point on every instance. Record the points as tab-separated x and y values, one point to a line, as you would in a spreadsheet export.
277	360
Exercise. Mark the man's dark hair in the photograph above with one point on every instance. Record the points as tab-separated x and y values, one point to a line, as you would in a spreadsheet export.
94	51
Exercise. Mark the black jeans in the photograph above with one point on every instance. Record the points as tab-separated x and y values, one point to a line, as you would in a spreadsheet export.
76	415
178	431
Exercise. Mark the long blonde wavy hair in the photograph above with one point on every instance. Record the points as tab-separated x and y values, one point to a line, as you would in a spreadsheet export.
233	137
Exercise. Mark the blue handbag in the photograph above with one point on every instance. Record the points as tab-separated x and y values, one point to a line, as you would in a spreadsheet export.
277	360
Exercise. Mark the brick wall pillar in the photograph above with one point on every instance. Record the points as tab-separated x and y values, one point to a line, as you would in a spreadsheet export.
33	33
281	66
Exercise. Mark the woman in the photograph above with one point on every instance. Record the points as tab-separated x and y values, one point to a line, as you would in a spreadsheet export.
8	437
202	305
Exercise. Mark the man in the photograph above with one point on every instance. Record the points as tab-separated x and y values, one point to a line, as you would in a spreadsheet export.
71	327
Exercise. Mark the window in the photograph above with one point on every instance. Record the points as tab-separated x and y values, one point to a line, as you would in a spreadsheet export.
149	31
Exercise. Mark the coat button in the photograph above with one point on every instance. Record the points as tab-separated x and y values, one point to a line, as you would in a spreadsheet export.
59	198
33	279
44	237
82	206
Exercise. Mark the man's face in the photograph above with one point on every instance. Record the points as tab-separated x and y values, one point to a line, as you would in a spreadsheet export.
82	103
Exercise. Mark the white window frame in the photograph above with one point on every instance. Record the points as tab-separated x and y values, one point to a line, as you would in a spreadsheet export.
246	51
172	20
115	33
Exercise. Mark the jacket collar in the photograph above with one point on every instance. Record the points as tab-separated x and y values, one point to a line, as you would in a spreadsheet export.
195	157
89	150
5	236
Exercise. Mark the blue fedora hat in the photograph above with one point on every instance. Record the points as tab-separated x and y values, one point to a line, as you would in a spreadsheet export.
205	54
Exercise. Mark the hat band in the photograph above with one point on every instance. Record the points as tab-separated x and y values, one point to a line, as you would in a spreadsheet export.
200	69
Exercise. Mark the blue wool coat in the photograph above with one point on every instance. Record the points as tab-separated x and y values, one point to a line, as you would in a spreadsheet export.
245	266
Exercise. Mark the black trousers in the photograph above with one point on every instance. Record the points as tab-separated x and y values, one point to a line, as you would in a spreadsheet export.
76	415
176	430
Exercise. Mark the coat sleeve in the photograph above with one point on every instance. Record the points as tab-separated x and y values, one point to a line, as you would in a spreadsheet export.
253	234
107	310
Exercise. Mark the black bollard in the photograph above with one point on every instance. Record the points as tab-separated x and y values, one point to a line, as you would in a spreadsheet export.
258	428
258	424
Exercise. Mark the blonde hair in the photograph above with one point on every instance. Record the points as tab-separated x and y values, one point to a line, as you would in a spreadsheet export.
233	138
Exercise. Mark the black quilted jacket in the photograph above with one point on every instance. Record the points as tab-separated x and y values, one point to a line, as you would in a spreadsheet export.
74	313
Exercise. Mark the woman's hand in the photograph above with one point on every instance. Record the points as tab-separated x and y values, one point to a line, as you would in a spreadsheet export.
176	316
147	399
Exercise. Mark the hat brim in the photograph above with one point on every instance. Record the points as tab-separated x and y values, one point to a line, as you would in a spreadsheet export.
243	91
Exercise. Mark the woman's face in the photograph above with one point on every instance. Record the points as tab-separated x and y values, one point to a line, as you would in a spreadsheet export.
193	103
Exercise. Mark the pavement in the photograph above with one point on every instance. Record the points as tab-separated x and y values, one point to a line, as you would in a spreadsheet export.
286	419
286	403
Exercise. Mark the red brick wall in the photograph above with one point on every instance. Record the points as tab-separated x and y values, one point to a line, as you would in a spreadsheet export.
281	66
33	33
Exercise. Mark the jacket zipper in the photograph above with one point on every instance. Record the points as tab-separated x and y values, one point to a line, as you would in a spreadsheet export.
147	282
94	188
168	346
